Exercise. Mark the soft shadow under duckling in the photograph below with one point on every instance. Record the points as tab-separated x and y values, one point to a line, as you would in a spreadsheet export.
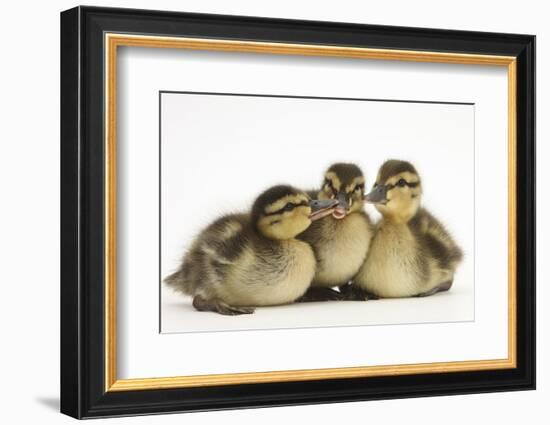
242	261
411	254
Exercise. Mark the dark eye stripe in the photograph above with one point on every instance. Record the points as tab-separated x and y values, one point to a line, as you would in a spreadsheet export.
328	183
406	183
287	208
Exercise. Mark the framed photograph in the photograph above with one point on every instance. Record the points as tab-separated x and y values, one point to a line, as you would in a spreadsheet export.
261	212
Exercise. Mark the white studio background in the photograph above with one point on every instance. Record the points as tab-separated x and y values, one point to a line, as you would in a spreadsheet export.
220	152
29	173
143	72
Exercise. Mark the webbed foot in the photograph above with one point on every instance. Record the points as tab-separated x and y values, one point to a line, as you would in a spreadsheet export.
217	306
353	292
445	286
320	294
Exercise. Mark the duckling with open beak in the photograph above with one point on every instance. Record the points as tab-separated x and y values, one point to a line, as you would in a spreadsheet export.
341	240
322	207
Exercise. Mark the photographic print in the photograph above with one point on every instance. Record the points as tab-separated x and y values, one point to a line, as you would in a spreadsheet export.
344	212
283	212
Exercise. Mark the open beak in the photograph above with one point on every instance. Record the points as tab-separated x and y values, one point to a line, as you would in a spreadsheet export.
377	195
321	208
343	207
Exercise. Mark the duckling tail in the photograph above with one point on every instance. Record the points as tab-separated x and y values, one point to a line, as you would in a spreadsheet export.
173	279
177	282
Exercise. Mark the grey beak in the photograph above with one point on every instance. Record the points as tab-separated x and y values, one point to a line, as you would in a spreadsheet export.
377	195
342	200
322	204
321	208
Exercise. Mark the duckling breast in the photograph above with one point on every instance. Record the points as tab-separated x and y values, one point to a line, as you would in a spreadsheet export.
341	248
393	267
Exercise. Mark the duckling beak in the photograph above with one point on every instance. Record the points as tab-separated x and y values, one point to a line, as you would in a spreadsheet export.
377	195
343	207
321	208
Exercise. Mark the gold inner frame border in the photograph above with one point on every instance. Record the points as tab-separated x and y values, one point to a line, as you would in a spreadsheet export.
113	41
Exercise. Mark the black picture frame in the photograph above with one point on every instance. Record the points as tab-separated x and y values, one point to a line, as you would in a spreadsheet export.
83	392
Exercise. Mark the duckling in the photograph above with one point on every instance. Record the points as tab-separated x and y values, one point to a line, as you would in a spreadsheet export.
341	240
242	261
411	254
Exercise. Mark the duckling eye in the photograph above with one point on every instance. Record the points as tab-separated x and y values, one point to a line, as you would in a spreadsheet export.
329	185
359	187
289	207
401	183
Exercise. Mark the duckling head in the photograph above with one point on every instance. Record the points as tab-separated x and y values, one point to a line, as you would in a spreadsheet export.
282	212
345	183
397	191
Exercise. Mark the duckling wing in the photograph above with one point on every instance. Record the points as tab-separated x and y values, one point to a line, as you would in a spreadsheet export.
214	250
438	241
224	240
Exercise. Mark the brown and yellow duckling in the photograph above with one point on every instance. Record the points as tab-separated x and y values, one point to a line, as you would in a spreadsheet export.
411	253
341	240
243	261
